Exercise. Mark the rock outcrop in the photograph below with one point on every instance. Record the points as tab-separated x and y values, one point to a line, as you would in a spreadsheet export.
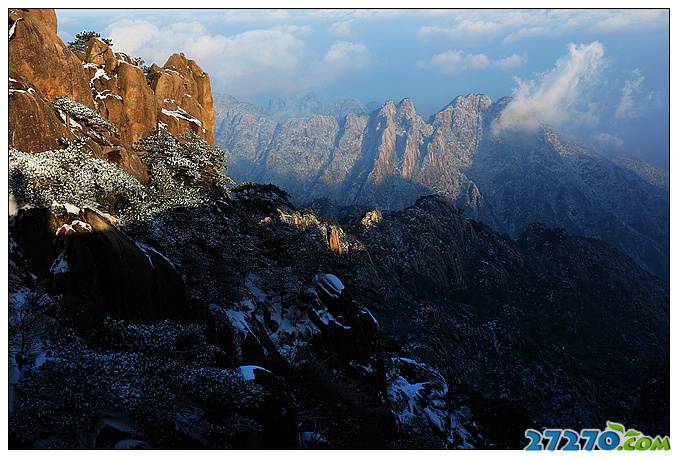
43	71
37	54
33	123
120	91
184	96
127	279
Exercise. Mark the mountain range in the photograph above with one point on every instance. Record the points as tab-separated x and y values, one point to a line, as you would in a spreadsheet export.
389	157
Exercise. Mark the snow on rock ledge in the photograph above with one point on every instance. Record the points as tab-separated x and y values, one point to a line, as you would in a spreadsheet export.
416	392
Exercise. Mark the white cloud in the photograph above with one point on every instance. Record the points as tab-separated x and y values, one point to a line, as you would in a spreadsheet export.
457	61
478	61
344	55
245	63
293	29
138	37
272	60
628	107
557	96
512	61
341	28
235	16
463	29
342	58
527	32
467	26
609	139
252	61
514	26
630	19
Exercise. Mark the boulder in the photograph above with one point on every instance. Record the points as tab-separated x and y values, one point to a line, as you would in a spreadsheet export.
98	52
33	230
127	279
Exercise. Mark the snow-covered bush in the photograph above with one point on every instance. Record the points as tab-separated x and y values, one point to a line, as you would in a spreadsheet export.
183	173
188	162
72	175
84	114
261	197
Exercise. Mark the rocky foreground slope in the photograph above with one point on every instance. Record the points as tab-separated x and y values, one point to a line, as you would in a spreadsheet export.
172	309
508	180
236	320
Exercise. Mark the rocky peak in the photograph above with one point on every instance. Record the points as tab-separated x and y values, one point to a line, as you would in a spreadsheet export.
184	95
310	104
474	101
406	108
387	110
98	52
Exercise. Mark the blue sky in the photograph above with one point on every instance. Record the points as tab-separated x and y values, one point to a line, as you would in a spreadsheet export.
601	75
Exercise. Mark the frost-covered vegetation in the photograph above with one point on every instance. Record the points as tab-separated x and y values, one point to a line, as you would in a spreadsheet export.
183	173
159	383
72	175
85	114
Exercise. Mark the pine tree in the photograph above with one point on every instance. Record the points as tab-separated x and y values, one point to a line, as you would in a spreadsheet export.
81	39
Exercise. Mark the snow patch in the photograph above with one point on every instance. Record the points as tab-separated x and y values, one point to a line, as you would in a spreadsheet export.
12	29
247	372
326	317
311	439
366	311
146	249
72	123
70	208
100	73
60	264
106	93
180	113
74	227
331	285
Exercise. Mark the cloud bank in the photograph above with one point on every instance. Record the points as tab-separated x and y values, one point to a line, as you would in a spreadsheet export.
628	105
517	25
252	62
